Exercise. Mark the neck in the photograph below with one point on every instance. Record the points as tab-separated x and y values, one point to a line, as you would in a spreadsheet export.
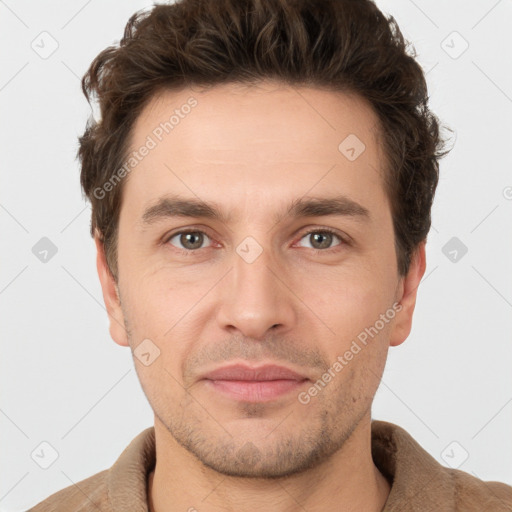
348	481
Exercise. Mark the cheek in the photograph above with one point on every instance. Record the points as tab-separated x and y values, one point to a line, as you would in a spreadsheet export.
351	295
165	310
146	313
352	309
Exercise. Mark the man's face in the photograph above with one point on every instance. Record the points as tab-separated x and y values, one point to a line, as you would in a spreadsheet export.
259	284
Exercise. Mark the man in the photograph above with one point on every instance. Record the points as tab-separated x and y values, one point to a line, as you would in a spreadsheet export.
261	180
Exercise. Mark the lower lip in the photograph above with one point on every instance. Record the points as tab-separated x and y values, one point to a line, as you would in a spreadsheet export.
255	391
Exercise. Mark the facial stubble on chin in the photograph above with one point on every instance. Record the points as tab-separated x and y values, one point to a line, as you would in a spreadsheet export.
294	448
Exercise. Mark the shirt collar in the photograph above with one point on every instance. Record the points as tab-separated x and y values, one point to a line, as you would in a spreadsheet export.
415	476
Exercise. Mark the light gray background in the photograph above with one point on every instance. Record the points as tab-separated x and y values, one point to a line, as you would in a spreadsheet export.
65	382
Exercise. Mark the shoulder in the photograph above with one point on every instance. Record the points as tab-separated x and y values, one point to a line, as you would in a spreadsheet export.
421	483
90	494
473	494
119	488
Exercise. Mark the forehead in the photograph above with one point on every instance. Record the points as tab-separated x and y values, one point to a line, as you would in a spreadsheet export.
220	118
264	141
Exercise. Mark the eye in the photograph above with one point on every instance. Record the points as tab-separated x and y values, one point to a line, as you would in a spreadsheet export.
321	239
192	240
189	240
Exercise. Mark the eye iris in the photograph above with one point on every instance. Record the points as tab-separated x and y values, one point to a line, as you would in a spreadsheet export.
325	239
194	240
187	240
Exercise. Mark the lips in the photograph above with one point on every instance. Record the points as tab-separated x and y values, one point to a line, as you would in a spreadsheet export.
246	373
254	384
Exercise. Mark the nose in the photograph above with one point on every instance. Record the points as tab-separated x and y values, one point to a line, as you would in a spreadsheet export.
256	298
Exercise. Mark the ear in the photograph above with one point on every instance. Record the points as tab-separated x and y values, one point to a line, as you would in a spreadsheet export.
406	296
110	296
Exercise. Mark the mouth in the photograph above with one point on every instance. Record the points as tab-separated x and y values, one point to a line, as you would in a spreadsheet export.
254	384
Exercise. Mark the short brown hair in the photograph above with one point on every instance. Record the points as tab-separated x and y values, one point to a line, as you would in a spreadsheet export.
344	45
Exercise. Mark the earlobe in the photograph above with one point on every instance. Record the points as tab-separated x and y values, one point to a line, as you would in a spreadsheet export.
110	296
407	297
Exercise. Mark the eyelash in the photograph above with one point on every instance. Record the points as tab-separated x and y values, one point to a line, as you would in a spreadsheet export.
190	252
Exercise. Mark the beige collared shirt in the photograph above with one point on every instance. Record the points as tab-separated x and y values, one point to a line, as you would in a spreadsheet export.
418	481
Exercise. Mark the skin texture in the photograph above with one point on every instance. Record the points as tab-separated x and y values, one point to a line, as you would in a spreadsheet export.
252	150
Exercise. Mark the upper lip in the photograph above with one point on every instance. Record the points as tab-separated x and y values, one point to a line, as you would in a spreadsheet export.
252	373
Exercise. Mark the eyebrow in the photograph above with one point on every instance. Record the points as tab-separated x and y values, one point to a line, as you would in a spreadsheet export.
174	206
